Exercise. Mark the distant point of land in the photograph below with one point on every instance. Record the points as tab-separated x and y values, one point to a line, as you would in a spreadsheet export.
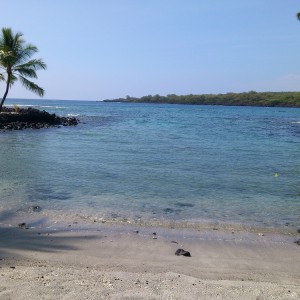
252	98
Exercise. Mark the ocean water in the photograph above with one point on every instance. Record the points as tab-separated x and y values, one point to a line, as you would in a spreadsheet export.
156	163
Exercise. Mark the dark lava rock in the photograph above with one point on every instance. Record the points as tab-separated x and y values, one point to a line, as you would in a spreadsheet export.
23	226
182	252
168	210
297	242
32	118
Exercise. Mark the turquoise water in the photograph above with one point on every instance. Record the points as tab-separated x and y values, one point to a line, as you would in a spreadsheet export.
150	162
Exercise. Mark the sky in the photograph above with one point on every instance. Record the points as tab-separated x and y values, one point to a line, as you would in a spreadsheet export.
105	49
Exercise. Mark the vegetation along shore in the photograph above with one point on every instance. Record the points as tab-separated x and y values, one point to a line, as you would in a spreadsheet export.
252	98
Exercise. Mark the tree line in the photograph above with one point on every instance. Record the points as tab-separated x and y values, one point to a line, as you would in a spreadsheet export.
252	98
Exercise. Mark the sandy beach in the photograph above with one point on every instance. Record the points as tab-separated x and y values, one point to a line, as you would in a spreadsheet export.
134	262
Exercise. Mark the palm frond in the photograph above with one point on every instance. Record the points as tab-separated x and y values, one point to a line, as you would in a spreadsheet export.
1	77
15	60
10	40
23	54
34	64
31	86
12	80
18	40
26	72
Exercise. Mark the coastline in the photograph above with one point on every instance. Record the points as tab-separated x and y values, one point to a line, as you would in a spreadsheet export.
252	98
40	218
77	246
117	261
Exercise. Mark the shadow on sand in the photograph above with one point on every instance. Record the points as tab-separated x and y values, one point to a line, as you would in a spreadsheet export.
15	242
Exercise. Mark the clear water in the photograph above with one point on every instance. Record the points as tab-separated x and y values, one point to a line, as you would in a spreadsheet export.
188	164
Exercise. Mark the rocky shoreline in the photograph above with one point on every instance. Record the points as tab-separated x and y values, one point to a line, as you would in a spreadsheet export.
31	118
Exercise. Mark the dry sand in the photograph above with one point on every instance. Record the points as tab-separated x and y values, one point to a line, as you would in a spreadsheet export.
117	262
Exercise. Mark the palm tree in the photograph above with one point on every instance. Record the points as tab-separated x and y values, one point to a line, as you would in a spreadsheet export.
16	63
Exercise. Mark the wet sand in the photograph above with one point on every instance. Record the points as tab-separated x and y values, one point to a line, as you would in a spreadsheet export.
131	262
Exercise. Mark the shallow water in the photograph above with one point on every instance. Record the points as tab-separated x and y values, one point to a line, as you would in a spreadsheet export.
157	163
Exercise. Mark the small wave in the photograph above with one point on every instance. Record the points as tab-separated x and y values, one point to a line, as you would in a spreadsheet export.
21	105
296	122
49	106
72	115
35	105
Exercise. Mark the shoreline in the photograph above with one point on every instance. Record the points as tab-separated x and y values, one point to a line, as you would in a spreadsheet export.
42	219
130	262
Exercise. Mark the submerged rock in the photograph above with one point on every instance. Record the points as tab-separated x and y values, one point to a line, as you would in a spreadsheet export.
35	208
32	118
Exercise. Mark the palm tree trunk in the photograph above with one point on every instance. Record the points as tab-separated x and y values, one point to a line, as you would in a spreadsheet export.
5	94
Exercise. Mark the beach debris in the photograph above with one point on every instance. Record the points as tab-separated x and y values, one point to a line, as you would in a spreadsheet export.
35	208
260	234
182	252
154	236
297	242
136	231
23	225
174	242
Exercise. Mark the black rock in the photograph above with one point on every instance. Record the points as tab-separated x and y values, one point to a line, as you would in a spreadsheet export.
297	242
32	118
182	252
23	225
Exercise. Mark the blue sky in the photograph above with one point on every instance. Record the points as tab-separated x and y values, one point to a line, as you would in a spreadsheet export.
103	49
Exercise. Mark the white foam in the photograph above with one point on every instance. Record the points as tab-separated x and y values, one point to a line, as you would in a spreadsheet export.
40	106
